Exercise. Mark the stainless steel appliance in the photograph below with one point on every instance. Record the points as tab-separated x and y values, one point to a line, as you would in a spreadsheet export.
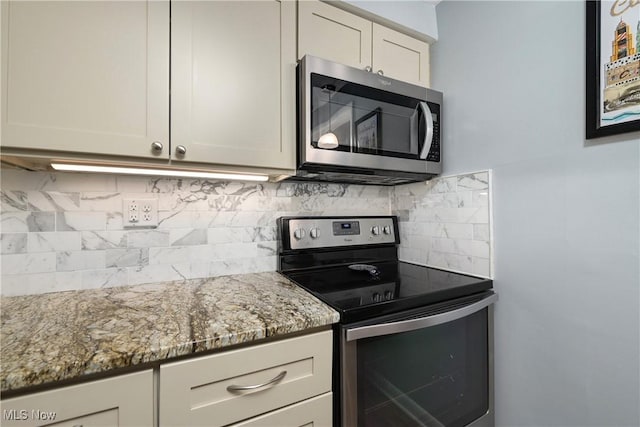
414	346
361	127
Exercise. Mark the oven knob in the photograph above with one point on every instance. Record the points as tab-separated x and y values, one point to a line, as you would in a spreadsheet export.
314	233
298	234
376	297
388	295
386	229
375	230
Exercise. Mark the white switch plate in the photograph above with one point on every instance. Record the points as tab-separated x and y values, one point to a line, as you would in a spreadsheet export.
139	213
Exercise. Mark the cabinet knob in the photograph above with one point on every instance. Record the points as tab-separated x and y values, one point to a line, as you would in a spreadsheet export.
380	73
181	150
368	69
156	146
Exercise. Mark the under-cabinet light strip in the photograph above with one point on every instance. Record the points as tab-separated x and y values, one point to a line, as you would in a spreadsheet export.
70	167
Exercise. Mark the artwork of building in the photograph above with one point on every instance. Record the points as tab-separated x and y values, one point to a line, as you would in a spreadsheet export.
622	74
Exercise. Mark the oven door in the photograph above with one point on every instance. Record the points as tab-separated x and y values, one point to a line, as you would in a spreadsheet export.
429	367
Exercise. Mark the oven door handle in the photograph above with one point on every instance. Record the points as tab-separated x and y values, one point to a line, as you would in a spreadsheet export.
422	322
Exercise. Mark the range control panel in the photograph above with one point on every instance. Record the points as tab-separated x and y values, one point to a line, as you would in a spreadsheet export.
321	232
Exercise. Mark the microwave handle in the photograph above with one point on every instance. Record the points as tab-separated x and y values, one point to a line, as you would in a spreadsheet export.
428	138
419	323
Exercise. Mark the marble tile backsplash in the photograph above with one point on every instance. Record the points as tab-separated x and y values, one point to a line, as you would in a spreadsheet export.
446	223
62	231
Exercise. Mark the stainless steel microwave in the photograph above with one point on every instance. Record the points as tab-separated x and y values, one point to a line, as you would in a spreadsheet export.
361	127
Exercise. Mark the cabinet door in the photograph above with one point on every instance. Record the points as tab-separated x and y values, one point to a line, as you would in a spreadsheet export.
400	56
331	33
126	400
86	77
314	412
233	82
235	385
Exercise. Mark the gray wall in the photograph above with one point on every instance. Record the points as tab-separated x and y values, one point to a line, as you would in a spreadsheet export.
566	211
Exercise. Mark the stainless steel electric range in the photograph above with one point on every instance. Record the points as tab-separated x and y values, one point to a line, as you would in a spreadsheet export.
414	346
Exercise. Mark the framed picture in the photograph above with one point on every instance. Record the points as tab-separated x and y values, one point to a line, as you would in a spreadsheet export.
613	67
369	131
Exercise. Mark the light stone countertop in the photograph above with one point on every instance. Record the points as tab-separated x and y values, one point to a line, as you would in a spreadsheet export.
65	335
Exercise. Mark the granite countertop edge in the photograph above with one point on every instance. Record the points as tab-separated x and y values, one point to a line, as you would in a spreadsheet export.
59	336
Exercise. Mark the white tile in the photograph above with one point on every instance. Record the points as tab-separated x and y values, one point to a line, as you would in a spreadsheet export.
53	201
28	263
481	232
180	254
224	235
101	202
153	274
187	236
192	270
14	222
476	181
127	257
267	249
450	261
41	221
13	201
106	278
147	238
480	198
13	243
54	242
40	283
480	249
80	260
226	251
481	267
92	240
80	221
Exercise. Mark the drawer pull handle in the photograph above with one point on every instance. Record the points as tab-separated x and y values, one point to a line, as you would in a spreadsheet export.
240	388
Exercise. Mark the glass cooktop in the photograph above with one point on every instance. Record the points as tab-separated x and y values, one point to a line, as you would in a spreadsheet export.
360	291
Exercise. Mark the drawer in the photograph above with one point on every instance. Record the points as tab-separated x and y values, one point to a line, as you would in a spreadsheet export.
207	390
126	400
314	412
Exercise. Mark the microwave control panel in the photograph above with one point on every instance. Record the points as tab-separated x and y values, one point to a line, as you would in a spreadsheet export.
434	150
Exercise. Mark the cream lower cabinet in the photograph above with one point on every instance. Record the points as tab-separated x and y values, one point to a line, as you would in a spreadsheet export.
283	383
337	35
88	77
126	400
233	82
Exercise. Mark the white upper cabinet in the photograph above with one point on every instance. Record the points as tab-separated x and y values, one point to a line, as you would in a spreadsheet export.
233	82
337	35
86	76
330	33
400	56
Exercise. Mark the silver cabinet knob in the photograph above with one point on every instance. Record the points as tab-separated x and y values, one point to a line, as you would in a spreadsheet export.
181	150
380	73
156	146
368	69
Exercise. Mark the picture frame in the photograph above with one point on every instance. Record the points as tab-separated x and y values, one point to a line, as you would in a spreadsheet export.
612	67
368	132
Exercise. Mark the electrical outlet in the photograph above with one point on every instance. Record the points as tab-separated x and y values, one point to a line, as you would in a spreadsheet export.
140	213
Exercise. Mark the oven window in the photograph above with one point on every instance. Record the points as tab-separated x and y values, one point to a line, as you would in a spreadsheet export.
436	376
